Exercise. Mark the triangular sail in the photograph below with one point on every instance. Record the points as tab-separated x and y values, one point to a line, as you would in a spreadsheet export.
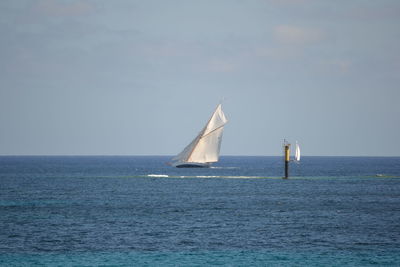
206	146
184	155
297	153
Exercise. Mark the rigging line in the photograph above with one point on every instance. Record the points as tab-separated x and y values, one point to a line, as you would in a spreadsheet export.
213	130
206	136
201	137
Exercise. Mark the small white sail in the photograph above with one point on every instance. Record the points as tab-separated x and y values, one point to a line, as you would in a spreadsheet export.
204	149
297	153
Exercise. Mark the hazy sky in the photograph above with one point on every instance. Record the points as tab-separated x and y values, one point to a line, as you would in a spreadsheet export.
142	77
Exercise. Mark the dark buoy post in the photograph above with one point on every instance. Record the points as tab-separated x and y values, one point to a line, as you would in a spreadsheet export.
286	148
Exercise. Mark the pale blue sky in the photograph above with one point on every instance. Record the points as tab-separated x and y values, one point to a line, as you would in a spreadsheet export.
142	77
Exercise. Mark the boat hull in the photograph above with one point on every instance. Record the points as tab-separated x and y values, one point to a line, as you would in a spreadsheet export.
192	165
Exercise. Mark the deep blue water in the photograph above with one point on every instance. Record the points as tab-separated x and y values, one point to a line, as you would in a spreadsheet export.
126	211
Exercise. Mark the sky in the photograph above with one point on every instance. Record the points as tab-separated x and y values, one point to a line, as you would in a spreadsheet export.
143	77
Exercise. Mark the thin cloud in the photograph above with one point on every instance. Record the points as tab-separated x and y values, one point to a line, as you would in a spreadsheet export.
294	35
337	66
342	65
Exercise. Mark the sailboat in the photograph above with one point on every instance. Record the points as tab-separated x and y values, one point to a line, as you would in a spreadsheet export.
297	153
204	149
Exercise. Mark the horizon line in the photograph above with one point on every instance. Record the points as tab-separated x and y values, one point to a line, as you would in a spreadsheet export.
148	155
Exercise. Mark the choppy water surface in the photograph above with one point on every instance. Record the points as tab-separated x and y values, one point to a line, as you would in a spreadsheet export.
139	211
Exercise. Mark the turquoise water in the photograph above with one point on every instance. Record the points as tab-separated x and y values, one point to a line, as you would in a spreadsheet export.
125	211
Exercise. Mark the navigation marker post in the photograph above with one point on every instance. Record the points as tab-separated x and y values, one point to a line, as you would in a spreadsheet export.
286	150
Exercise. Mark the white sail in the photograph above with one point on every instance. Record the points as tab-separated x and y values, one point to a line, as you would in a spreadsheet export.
297	153
206	146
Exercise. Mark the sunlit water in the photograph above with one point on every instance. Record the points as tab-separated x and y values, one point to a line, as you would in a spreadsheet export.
125	211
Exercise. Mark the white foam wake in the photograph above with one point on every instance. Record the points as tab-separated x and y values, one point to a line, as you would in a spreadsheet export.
226	168
204	176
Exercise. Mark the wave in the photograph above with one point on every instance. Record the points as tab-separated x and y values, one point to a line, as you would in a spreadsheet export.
208	176
257	177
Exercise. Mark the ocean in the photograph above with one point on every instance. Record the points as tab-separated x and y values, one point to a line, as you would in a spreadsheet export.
138	211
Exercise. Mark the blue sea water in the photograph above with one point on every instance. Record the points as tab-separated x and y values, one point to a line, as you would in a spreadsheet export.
138	211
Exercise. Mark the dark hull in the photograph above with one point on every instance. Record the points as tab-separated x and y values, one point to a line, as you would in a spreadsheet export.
188	165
